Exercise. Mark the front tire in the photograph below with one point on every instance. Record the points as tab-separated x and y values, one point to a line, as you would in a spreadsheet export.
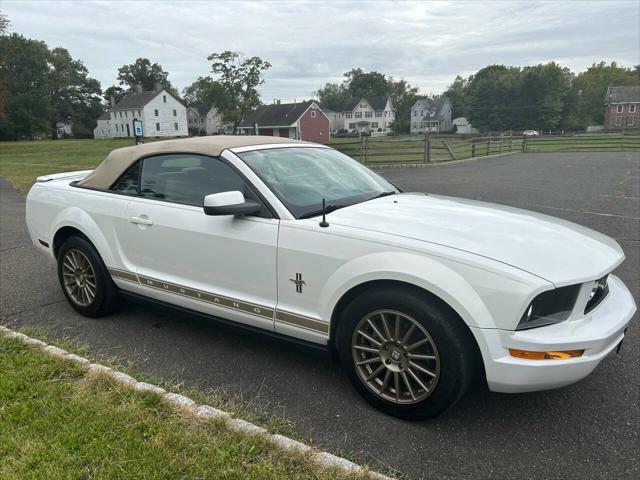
408	354
84	279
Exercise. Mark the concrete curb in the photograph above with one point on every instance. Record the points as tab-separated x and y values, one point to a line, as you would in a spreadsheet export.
188	406
393	166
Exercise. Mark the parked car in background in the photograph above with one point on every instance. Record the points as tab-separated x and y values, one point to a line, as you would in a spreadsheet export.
417	293
531	133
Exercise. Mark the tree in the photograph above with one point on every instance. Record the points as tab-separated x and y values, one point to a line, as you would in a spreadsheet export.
207	91
333	96
458	95
589	88
494	98
146	73
24	75
403	96
118	93
543	91
4	24
240	77
367	84
74	96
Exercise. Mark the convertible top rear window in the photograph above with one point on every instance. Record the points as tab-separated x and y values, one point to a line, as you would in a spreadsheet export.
302	177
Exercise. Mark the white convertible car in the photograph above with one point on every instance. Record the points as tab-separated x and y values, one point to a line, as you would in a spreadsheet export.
417	293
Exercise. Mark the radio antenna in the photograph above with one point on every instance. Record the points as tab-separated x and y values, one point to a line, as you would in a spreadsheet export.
324	222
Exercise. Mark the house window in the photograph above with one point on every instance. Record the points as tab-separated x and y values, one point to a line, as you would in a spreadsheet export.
116	127
620	108
175	113
363	105
157	126
348	115
415	113
313	114
139	114
120	114
378	114
358	114
155	112
374	124
164	98
352	126
202	120
631	121
619	121
632	108
368	114
175	126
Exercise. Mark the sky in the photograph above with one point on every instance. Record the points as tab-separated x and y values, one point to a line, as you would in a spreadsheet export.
308	44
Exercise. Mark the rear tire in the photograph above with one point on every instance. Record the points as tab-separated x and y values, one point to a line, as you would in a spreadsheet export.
414	372
84	279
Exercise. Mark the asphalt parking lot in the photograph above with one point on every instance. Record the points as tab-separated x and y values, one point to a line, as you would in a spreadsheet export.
588	430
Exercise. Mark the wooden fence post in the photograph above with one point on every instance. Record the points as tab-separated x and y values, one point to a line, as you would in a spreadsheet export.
427	147
473	147
501	141
524	142
510	143
366	147
489	144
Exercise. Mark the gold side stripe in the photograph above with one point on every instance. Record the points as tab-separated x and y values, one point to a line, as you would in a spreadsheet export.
123	274
304	322
222	301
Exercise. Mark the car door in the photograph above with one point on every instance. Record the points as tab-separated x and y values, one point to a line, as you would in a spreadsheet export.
220	265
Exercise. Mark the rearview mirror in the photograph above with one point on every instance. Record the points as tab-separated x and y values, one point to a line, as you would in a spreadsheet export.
229	203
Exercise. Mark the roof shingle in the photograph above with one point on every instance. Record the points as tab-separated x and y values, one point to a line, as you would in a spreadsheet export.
623	94
276	115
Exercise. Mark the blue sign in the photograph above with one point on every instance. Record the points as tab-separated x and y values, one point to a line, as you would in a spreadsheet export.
137	128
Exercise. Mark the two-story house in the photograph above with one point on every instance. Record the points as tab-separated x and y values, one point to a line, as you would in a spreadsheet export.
366	114
622	107
431	115
162	115
204	120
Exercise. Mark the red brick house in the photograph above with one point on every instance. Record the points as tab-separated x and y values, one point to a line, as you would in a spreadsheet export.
622	107
302	121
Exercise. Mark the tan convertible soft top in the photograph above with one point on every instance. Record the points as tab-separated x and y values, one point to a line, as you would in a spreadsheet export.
122	158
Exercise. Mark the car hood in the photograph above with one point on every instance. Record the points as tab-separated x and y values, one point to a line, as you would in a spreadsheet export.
556	250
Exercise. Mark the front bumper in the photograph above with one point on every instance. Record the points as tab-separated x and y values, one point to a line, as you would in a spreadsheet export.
598	333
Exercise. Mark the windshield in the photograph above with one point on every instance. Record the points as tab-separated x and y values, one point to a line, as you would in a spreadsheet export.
302	177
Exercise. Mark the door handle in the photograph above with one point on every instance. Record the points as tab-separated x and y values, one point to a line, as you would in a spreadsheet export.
141	221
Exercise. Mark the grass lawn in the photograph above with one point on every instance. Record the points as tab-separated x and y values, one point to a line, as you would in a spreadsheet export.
58	423
22	162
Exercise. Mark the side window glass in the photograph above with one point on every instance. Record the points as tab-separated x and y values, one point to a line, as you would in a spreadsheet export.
188	178
128	181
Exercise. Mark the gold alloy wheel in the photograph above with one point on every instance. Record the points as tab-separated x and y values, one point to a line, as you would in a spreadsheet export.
79	277
395	356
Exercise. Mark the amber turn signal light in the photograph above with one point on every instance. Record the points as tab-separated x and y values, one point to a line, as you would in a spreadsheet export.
528	355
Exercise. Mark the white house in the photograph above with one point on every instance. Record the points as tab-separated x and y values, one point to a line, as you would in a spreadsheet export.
366	114
203	120
431	115
462	125
161	114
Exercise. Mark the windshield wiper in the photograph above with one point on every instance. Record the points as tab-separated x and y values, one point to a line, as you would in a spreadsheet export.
383	194
328	209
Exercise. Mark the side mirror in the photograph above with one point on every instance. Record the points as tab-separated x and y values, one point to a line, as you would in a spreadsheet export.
229	203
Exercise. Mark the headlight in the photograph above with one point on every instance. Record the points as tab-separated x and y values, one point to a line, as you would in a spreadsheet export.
599	291
549	307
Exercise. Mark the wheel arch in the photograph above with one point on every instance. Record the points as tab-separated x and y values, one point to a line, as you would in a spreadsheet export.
75	221
416	290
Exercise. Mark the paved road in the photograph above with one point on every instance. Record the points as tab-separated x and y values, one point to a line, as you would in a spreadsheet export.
589	430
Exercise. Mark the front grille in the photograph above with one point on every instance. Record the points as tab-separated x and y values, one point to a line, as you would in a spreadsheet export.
601	287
